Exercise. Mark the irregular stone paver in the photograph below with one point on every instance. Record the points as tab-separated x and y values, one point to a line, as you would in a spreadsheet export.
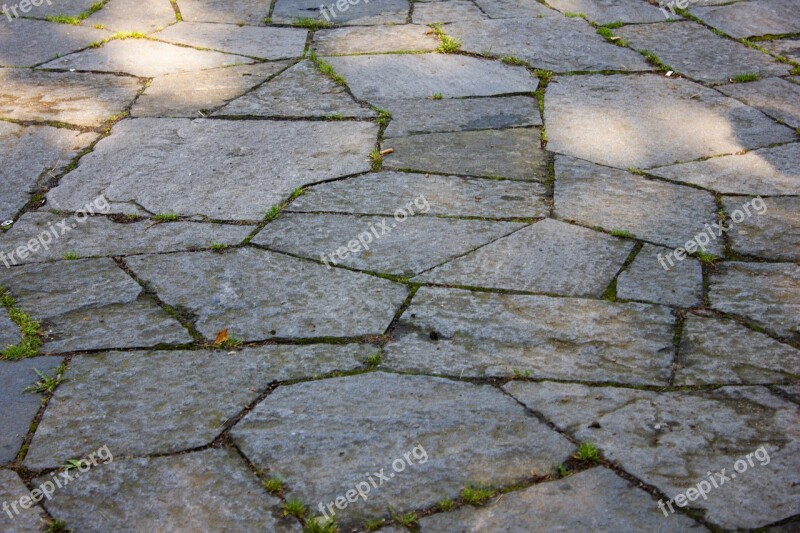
460	333
679	284
64	7
703	56
447	11
754	17
361	13
72	97
594	500
557	44
265	43
259	294
607	11
403	246
90	305
768	294
314	420
193	94
617	200
143	16
217	492
420	76
672	439
144	58
772	234
511	153
252	12
715	350
383	193
499	9
9	331
549	257
629	121
300	91
777	98
106	398
375	40
130	165
26	43
11	489
787	47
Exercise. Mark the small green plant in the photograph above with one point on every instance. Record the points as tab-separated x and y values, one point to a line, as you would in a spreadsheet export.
445	504
71	256
383	116
521	374
294	508
47	383
274	485
587	452
56	526
373	360
310	24
622	233
373	524
218	247
376	158
320	524
119	35
476	495
230	342
607	34
706	258
437	96
30	329
166	217
326	69
448	45
575	15
796	71
98	26
297	193
74	21
563	471
408	519
654	60
744	78
511	60
334	116
544	75
273	213
267	20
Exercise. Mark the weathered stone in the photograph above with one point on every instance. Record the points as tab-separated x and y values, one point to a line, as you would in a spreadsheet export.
207	490
403	246
500	9
771	234
70	8
193	94
559	44
626	121
260	295
212	167
300	91
387	76
460	333
715	350
11	489
512	153
145	58
252	12
614	199
607	11
447	11
673	439
304	433
144	16
361	13
755	17
593	500
380	194
264	43
548	257
90	305
376	40
776	97
26	42
9	331
646	279
785	47
769	294
791	392
702	55
107	399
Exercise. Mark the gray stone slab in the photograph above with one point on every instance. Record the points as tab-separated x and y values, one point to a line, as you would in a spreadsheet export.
754	17
403	247
715	350
300	91
304	433
260	295
680	284
25	42
217	492
500	9
9	331
447	11
410	117
768	171
90	305
793	393
145	58
11	489
193	94
549	257
702	55
143	16
786	47
378	194
212	167
251	12
264	43
107	399
380	77
774	234
361	13
626	121
776	97
376	40
606	11
71	97
614	199
673	439
559	44
593	500
63	7
768	294
466	334
512	153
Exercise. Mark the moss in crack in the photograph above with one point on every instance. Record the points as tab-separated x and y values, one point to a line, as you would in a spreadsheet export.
29	328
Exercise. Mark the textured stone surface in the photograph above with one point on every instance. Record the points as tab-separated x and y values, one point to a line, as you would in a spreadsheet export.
499	9
447	11
11	489
672	439
775	234
376	40
26	43
142	16
786	47
260	294
778	98
755	17
314	420
64	7
251	12
9	331
212	167
454	332
680	284
361	13
264	43
626	121
607	11
548	257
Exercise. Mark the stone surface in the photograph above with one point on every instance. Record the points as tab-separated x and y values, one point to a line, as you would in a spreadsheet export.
26	43
64	7
106	398
376	40
11	489
403	247
251	12
754	17
607	11
361	13
459	333
511	153
143	16
774	234
314	420
778	98
626	121
672	439
264	43
259	294
786	47
549	257
212	167
90	305
646	279
9	331
447	11
499	9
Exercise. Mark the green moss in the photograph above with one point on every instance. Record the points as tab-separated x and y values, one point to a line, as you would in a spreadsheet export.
74	21
746	77
309	24
476	495
30	329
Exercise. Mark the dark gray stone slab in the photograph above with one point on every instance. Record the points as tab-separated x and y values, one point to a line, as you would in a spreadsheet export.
11	489
755	17
501	9
143	16
447	11
304	433
774	234
9	331
680	284
26	42
776	97
376	40
264	43
361	13
606	11
252	12
786	47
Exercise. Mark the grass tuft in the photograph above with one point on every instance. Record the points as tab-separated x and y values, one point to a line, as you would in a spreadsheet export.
294	508
74	21
475	495
447	44
587	452
622	233
274	485
445	504
377	159
744	78
166	217
320	524
47	383
309	23
326	69
31	330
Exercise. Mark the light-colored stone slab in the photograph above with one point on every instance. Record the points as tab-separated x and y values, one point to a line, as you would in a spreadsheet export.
501	9
361	13
776	97
375	40
251	12
11	489
607	11
754	17
264	43
785	47
646	279
774	234
26	43
70	8
143	16
447	11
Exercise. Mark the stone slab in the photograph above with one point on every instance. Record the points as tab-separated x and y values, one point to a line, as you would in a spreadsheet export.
143	16
776	97
785	47
646	279
447	11
27	43
264	43
774	234
607	11
500	9
11	489
755	17
70	8
375	40
9	331
362	13
251	12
